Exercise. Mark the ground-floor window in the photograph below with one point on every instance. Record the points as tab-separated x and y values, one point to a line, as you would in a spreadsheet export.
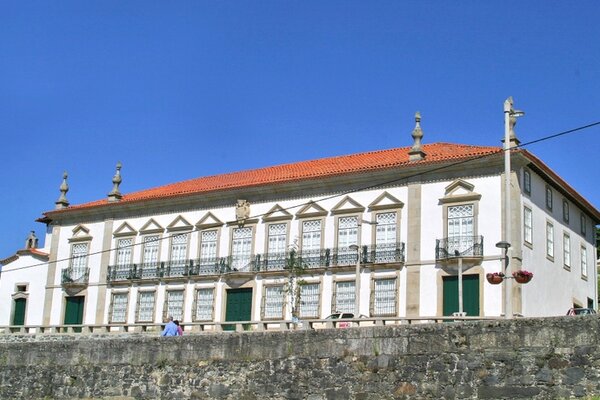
174	306
145	306
309	300
204	304
384	297
344	297
119	308
273	302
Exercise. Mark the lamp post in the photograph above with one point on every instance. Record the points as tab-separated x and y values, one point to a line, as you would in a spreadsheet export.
507	282
510	118
357	281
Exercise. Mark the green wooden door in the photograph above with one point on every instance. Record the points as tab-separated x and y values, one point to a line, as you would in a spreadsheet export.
470	295
239	306
74	311
19	315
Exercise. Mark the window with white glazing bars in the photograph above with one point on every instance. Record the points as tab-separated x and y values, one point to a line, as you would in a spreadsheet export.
584	262
347	236
150	256
549	239
119	308
124	251
241	248
567	250
273	302
79	253
384	302
178	254
145	306
309	300
175	304
385	237
527	225
344	297
277	241
311	243
208	248
460	229
204	304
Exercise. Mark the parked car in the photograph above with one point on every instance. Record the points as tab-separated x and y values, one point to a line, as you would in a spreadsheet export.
581	311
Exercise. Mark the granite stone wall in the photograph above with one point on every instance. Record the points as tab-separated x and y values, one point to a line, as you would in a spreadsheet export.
533	358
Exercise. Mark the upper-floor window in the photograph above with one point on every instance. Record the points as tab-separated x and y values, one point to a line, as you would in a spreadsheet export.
79	252
277	242
384	297
460	228
145	311
241	248
311	242
565	211
178	260
567	251
208	247
548	198
347	231
584	262
119	308
309	300
583	223
273	302
549	240
385	237
150	251
204	304
527	225
527	181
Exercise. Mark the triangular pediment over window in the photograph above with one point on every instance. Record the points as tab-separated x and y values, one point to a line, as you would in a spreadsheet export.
311	209
208	221
277	213
347	205
125	230
460	190
180	224
151	227
385	201
80	233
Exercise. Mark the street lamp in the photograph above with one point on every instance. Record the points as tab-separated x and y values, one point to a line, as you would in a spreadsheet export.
508	300
357	281
510	119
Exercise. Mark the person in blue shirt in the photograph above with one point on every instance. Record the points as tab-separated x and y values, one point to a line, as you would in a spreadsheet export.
170	328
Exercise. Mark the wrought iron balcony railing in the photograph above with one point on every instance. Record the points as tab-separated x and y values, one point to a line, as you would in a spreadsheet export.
459	246
75	276
306	259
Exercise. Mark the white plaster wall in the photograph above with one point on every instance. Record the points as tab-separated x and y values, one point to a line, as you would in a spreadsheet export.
555	287
18	272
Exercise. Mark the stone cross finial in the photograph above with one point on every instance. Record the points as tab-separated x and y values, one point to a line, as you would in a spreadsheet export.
62	201
115	195
416	153
32	241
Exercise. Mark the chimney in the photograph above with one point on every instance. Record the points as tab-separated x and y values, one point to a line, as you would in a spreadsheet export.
416	153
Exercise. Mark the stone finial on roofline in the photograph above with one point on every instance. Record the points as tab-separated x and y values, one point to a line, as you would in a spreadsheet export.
115	195
62	201
416	153
32	241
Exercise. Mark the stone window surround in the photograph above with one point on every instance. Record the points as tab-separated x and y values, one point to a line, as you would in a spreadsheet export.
319	282
334	283
301	221
583	254
549	198
526	181
159	241
527	243
565	212
218	240
395	277
19	294
266	233
566	251
116	247
137	308
264	301
166	302
550	240
112	299
249	224
195	302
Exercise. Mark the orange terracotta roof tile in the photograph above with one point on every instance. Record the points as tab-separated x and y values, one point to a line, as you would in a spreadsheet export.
304	170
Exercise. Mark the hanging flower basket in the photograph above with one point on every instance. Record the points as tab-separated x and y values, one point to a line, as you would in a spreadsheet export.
495	278
522	276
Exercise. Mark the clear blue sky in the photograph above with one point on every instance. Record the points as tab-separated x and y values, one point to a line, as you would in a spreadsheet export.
177	90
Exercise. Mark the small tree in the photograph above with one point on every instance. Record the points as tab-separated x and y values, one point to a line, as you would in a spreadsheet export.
293	288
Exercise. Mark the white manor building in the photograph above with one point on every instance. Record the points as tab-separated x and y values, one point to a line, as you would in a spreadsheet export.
195	251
